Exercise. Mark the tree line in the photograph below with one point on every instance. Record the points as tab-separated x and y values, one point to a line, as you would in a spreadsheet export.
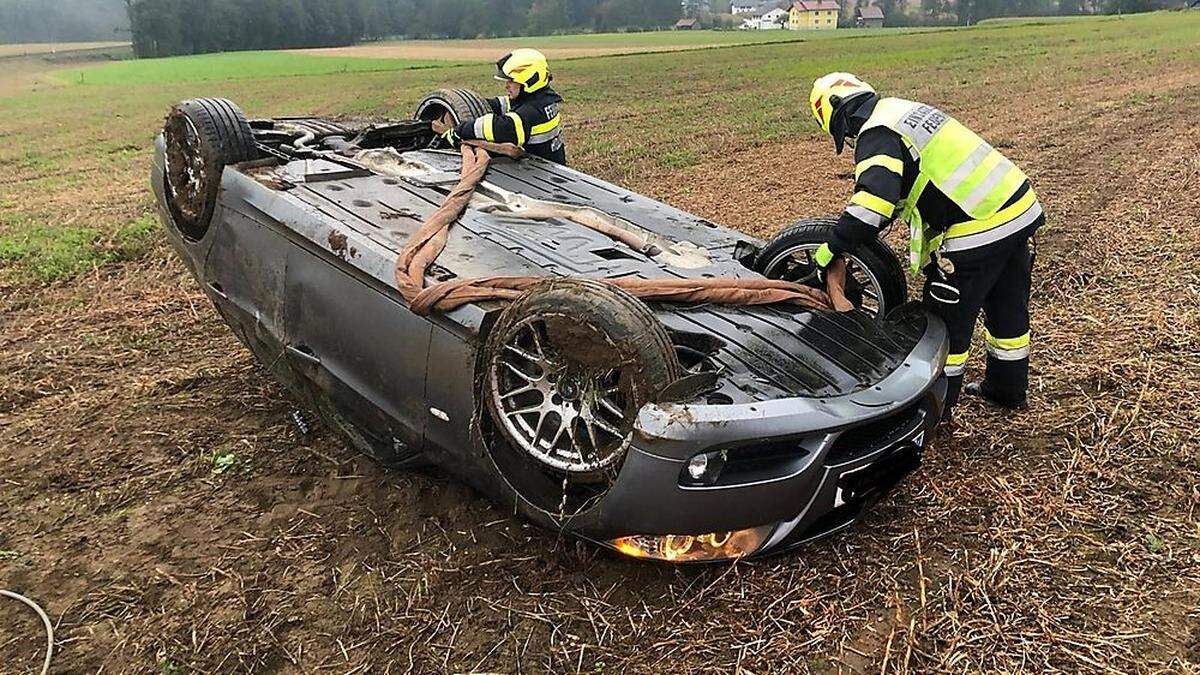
169	27
967	12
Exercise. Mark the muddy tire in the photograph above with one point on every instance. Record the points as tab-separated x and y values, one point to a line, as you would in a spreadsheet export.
202	136
460	105
463	105
875	281
567	366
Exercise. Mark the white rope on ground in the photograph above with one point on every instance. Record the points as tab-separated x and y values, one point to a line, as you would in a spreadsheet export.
45	620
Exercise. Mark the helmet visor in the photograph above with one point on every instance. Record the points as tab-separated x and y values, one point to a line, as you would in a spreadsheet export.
500	74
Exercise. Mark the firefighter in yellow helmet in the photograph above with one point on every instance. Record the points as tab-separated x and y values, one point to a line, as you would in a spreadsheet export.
971	214
528	113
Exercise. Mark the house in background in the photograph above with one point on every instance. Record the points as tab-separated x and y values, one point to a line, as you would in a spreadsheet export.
764	16
742	7
773	19
814	15
870	16
687	24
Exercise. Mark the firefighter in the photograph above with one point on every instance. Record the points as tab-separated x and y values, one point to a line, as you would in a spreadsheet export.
527	115
971	214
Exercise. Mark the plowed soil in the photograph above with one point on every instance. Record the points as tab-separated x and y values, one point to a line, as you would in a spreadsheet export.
157	500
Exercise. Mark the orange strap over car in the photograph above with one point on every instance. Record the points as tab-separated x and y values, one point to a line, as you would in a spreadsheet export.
427	243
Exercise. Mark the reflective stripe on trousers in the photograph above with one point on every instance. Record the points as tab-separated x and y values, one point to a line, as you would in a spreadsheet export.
956	364
1007	349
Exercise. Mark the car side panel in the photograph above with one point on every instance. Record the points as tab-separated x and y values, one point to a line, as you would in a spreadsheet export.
361	347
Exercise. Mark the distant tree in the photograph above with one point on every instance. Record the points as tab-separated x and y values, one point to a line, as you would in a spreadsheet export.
546	16
1133	6
725	21
156	27
165	27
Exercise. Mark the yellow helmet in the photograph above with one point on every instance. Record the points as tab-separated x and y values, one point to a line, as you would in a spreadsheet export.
830	92
526	67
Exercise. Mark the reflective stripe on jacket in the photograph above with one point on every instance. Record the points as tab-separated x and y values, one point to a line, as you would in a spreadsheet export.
531	121
970	172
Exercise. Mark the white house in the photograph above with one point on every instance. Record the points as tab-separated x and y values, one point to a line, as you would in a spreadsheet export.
775	18
742	7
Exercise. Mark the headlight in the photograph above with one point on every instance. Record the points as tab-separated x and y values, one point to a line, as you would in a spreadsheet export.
703	469
694	548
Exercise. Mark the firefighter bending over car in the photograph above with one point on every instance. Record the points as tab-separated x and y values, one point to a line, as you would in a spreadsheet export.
526	116
971	214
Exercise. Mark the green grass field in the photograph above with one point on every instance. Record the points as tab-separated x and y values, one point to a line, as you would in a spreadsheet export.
229	66
1043	20
594	44
414	54
630	115
662	38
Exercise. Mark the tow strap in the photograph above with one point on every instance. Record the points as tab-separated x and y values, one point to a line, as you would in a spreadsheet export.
427	243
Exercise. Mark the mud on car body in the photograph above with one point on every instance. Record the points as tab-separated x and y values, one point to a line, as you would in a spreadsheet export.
669	431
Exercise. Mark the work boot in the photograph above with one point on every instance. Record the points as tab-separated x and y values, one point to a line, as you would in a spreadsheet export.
980	389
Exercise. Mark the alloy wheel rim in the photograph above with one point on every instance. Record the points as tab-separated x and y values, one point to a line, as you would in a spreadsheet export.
796	264
186	182
568	417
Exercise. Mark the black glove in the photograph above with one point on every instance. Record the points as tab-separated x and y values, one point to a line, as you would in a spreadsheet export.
938	285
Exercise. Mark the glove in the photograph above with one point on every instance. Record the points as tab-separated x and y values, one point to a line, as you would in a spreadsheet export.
835	285
451	138
831	273
822	257
939	287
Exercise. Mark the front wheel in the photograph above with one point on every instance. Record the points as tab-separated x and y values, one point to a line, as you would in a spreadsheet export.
567	367
875	281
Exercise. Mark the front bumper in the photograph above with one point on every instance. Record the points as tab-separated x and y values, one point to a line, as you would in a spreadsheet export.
790	470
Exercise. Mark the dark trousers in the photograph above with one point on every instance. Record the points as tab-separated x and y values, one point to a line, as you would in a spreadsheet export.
996	280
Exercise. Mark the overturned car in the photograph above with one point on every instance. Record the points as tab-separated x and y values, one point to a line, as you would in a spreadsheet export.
682	432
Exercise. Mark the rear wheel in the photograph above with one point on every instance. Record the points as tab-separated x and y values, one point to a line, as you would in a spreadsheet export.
875	281
567	367
451	105
202	136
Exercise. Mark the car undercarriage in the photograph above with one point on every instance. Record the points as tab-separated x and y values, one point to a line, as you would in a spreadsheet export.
674	431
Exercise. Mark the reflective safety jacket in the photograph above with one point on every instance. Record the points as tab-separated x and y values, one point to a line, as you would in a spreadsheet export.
531	121
956	192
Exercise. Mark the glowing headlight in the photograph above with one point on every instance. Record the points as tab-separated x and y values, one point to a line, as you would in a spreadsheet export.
694	548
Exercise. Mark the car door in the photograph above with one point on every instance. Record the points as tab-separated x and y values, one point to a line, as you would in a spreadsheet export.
361	349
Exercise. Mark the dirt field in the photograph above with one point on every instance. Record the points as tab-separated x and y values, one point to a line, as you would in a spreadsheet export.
157	501
480	52
558	46
35	48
